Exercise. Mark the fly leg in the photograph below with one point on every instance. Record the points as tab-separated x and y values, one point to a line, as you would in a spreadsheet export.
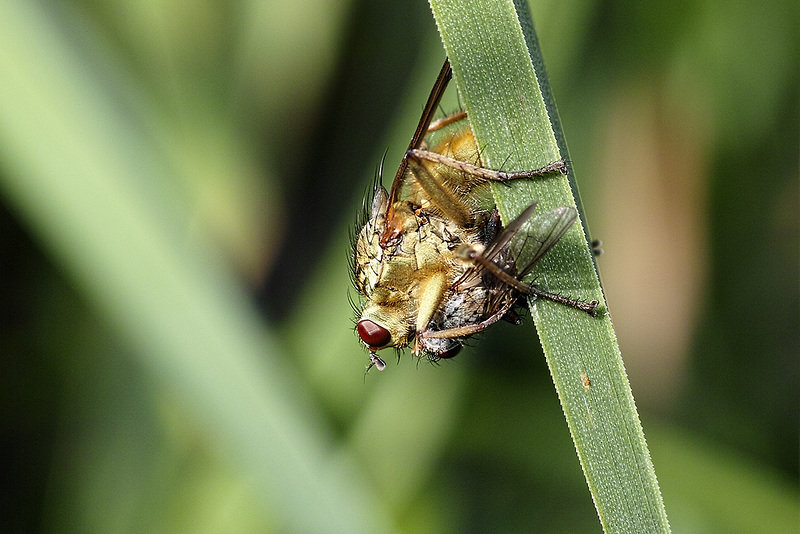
547	229
443	196
418	155
438	124
588	307
514	281
467	330
431	293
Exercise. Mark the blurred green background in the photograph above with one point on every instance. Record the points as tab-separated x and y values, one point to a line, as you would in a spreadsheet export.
177	184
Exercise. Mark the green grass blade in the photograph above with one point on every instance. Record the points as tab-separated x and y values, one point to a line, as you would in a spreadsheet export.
501	87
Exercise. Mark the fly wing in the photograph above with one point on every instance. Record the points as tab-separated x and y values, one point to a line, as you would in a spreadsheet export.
392	233
422	128
491	255
514	253
538	235
501	241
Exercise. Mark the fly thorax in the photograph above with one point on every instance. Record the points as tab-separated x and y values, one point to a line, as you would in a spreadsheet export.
368	259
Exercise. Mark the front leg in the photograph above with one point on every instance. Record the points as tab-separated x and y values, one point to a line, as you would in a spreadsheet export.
431	294
467	330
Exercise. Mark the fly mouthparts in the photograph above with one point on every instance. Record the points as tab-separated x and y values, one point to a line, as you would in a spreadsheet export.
376	362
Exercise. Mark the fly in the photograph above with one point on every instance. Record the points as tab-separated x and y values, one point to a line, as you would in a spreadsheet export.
431	258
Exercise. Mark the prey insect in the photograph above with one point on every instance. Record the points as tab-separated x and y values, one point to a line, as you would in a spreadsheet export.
432	260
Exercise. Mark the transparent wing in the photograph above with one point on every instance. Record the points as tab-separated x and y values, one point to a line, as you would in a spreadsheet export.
524	245
513	253
491	258
422	128
508	233
538	235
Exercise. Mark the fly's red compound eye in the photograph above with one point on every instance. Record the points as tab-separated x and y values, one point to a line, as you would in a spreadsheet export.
373	334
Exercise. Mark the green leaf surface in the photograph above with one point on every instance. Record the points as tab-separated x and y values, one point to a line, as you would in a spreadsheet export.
501	80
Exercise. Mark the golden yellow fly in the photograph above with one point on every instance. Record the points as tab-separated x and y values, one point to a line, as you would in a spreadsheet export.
431	259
